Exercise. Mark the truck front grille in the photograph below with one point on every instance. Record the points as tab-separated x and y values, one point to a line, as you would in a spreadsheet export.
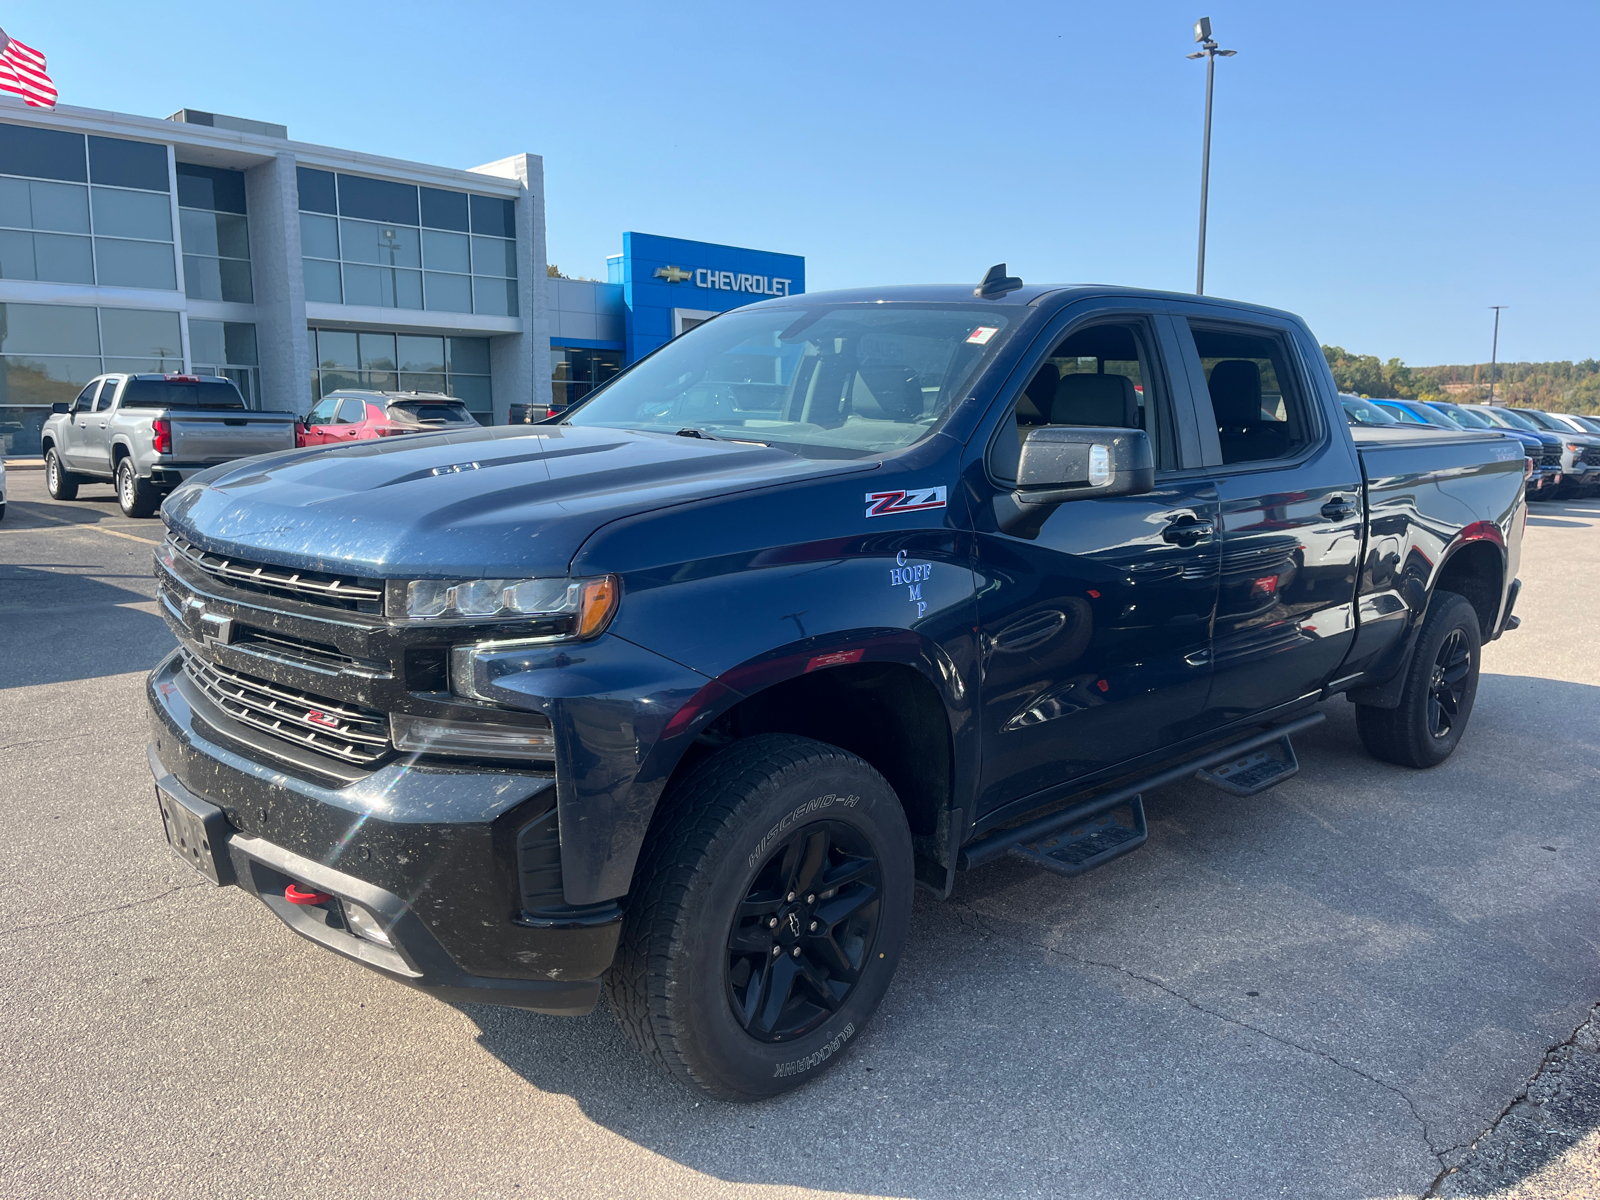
342	731
1551	456
1591	456
339	591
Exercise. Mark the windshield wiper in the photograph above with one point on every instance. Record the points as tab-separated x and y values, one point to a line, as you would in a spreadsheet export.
698	433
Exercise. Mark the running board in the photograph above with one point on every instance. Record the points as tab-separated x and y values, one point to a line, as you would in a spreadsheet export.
1090	842
1087	835
1253	772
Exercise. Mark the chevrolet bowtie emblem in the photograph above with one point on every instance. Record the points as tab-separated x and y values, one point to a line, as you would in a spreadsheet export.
673	274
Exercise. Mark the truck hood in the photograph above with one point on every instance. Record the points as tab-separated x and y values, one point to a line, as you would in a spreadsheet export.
502	502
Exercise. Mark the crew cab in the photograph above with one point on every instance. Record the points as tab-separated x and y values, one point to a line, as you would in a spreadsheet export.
147	433
681	694
352	416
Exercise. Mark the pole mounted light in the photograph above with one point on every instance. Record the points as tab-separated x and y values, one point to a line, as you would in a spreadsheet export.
1494	351
1208	51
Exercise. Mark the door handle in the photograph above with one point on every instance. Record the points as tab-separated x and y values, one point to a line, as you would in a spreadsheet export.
1187	533
1339	509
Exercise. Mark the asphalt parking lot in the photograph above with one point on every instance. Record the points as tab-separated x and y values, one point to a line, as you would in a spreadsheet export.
1344	987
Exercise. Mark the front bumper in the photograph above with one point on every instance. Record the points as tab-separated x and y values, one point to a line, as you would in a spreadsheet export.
437	854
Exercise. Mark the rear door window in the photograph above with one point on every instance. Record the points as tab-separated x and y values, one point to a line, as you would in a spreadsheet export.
108	392
351	412
1257	401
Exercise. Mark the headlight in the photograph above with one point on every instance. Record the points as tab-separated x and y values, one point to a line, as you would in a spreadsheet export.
435	735
576	607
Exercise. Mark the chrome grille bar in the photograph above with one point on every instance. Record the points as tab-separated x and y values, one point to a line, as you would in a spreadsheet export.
309	585
360	736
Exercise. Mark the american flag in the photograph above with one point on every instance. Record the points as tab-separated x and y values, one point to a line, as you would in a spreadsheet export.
22	72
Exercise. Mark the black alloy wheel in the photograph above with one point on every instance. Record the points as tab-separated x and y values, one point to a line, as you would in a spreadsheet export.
1448	685
1422	726
770	905
803	933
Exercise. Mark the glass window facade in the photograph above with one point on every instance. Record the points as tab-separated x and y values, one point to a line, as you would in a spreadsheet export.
227	348
575	372
388	362
49	351
76	209
395	245
216	235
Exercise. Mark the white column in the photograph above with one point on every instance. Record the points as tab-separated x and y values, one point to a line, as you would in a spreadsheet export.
520	363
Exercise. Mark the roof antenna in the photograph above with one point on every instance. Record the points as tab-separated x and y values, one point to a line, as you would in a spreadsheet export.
996	283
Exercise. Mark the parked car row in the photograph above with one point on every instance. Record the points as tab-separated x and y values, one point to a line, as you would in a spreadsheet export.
145	434
1563	449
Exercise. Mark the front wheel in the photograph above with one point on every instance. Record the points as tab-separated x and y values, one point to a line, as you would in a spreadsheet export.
768	914
136	496
61	483
1441	685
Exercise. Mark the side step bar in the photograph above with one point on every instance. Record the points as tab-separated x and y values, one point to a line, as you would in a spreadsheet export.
1087	835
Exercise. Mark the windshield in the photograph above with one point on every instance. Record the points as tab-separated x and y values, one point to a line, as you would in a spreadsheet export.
1367	413
1510	420
1403	415
1542	420
1588	423
1439	417
430	412
1464	417
825	381
177	393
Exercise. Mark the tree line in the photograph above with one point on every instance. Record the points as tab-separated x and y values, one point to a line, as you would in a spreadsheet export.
1558	386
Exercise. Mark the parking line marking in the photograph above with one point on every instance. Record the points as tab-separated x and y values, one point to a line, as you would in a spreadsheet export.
95	528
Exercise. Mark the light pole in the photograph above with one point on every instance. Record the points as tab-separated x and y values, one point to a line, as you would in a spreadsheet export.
1494	352
1208	51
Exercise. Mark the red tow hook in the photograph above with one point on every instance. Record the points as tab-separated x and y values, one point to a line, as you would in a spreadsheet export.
294	895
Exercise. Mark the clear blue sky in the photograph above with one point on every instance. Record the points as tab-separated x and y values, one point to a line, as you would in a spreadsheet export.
1385	169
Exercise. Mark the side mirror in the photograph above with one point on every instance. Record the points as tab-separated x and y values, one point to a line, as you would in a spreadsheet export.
60	406
1080	462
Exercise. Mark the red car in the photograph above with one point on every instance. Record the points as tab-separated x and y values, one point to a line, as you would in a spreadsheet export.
351	416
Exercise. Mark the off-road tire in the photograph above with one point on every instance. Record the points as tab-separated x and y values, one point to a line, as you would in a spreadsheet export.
1405	734
138	497
61	483
670	983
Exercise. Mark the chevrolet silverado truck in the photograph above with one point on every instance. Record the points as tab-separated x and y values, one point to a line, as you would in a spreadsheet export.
680	695
145	434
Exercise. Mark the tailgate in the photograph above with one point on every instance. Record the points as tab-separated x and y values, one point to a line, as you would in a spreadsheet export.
220	438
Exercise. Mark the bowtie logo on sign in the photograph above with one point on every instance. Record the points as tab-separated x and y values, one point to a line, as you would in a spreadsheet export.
726	281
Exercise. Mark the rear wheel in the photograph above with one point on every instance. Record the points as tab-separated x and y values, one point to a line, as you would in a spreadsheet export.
137	496
1441	685
61	483
768	915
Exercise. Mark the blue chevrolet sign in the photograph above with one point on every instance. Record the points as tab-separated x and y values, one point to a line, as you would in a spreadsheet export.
670	284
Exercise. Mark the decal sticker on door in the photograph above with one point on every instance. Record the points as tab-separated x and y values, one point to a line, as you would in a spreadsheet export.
891	504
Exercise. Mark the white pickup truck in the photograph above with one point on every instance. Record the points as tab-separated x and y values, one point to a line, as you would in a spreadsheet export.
148	433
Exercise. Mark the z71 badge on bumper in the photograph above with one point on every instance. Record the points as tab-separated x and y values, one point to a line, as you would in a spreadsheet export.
890	504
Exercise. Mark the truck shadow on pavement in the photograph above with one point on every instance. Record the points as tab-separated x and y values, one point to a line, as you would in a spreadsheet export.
61	626
1333	988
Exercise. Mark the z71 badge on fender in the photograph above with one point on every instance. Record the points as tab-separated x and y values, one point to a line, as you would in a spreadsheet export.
890	504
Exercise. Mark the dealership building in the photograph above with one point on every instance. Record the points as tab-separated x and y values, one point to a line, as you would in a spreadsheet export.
210	244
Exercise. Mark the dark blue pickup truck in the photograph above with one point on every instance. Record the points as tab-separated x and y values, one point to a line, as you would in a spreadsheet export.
681	694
